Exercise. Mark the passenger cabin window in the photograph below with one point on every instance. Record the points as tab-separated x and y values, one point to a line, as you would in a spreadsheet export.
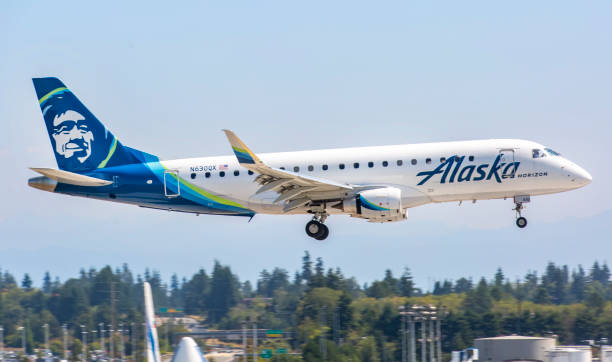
324	167
193	176
250	172
385	163
370	164
414	161
341	166
356	165
442	159
537	153
236	173
207	174
222	174
311	168
400	162
282	168
428	161
296	169
471	158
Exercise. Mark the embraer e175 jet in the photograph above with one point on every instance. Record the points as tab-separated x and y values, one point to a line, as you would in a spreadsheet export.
378	184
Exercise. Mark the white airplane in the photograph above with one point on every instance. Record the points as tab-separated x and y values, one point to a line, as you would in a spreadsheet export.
378	184
187	350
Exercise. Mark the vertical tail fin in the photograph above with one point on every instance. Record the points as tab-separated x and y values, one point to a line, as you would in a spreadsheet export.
152	343
80	141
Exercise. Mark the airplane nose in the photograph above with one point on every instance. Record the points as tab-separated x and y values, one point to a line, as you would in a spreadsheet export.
579	176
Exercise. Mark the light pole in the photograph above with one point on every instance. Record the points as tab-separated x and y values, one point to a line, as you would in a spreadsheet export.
65	332
23	342
84	337
411	318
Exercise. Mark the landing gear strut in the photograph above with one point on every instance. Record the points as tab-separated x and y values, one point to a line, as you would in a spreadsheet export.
521	222
316	229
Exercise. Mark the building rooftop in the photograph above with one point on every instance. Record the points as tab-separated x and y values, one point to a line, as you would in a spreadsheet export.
511	338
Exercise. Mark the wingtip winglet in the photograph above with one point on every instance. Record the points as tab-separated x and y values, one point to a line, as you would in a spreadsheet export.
242	152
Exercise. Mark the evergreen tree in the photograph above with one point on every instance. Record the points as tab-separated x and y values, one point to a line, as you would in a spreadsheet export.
196	292
47	283
26	283
406	285
318	279
306	267
224	292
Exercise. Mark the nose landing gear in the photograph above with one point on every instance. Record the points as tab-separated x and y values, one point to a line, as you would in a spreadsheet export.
316	228
521	222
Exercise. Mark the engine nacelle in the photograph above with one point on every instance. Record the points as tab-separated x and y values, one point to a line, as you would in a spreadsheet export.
377	205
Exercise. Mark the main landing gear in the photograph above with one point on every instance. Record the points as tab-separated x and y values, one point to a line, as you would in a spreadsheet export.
521	222
316	228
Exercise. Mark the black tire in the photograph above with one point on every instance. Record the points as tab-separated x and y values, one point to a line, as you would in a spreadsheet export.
324	233
521	222
313	228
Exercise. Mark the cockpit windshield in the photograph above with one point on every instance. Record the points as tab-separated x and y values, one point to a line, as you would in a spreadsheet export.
552	153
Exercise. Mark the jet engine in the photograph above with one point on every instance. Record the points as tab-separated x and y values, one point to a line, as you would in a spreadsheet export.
376	205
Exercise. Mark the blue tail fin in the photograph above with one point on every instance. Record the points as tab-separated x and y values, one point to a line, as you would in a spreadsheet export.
80	141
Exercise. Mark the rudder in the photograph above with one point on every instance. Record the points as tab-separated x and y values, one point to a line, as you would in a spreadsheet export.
80	141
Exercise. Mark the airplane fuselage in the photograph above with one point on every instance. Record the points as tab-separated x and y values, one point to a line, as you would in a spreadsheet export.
425	173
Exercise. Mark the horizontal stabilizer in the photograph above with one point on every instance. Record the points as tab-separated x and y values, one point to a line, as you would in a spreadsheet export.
71	178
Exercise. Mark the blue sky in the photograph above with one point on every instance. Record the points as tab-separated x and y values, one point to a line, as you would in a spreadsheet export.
293	76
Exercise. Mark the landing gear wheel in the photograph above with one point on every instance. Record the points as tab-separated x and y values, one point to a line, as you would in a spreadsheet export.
521	222
314	228
324	233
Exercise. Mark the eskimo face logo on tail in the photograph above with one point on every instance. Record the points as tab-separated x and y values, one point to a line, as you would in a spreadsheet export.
72	135
451	171
79	140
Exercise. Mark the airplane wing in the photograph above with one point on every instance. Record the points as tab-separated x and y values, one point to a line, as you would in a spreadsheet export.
294	189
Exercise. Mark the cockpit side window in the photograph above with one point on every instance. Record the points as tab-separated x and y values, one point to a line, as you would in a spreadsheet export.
538	153
552	153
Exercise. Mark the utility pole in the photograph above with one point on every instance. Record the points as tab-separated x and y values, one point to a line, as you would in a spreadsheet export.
46	329
322	341
412	337
439	339
132	340
424	337
244	342
111	351
255	340
65	333
432	342
112	328
403	336
1	343
84	337
122	341
102	345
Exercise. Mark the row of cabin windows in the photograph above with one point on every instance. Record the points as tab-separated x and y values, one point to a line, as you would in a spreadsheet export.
341	166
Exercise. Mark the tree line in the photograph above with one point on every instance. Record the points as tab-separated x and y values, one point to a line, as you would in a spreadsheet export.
319	304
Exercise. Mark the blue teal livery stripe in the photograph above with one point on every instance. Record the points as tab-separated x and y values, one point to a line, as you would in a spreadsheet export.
369	205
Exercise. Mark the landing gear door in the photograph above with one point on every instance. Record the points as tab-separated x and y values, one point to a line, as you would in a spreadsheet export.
508	158
172	186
